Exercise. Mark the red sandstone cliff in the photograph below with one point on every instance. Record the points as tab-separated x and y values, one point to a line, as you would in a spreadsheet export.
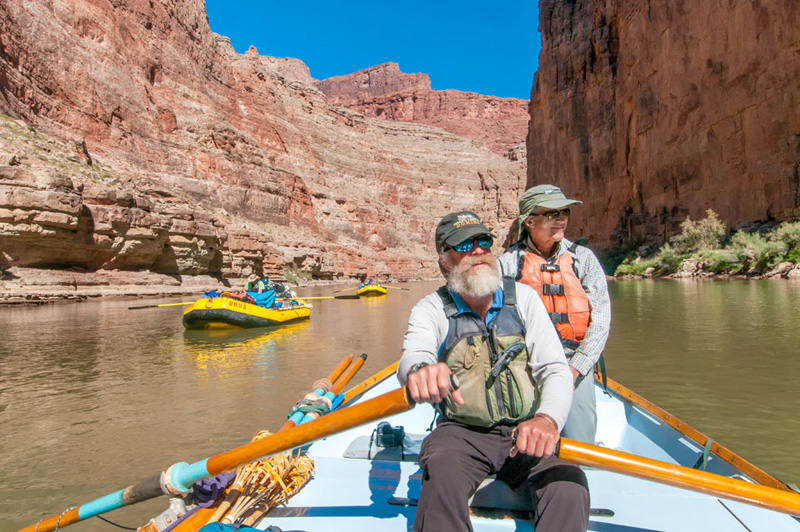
384	92
652	111
139	140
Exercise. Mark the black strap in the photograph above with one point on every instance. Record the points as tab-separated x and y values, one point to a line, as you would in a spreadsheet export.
450	308
509	291
559	317
550	267
600	369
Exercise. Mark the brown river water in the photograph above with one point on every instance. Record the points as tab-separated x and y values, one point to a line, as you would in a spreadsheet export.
95	397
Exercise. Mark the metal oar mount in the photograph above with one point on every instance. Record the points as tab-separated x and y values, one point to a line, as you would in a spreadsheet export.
177	479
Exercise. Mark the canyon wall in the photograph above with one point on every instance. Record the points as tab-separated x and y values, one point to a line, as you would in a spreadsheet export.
138	140
650	112
384	92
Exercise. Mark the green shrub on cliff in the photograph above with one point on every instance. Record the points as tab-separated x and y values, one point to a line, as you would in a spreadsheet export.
707	233
703	242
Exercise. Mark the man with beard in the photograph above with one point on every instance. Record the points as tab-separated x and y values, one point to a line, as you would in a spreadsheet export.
514	391
572	284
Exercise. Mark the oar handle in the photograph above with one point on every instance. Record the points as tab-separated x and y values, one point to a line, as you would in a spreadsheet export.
675	475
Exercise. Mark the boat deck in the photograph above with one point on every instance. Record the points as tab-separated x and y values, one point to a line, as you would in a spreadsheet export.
354	494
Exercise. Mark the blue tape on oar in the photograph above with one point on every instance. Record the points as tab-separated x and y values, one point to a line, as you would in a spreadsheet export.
105	504
337	401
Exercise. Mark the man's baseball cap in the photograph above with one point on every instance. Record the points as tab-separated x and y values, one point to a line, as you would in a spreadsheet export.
457	227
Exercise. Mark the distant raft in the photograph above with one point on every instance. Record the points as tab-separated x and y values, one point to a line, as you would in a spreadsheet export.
371	290
223	312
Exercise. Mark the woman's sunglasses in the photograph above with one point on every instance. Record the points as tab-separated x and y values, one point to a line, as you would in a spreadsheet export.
552	215
485	242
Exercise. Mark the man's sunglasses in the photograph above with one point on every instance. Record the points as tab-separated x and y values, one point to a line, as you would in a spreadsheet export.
485	242
552	215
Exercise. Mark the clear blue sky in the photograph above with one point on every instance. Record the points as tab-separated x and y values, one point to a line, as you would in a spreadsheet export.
485	47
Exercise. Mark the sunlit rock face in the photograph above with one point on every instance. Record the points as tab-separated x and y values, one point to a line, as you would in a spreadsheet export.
650	112
137	139
386	93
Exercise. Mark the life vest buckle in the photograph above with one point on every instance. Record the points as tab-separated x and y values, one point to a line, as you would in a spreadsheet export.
547	267
553	289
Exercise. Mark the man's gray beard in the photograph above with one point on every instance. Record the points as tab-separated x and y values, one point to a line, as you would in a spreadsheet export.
479	284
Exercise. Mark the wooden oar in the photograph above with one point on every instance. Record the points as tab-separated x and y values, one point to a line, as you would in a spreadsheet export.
680	476
348	296
320	389
183	475
365	385
163	305
345	290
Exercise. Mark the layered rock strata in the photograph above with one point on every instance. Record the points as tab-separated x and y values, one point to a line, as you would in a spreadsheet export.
650	112
384	92
141	141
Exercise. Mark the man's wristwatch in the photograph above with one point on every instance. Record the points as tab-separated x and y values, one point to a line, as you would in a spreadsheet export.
416	367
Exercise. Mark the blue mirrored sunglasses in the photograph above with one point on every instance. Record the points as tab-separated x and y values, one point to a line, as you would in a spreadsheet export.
485	242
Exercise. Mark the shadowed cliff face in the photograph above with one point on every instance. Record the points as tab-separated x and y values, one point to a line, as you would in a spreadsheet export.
650	112
163	149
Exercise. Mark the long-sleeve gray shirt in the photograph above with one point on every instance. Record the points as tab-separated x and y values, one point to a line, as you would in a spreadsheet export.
427	330
593	280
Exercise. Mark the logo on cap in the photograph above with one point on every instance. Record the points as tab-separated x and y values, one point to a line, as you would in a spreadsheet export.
465	219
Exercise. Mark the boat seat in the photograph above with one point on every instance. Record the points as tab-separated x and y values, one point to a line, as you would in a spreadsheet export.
360	448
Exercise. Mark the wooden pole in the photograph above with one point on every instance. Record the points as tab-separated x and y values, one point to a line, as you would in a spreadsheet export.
679	476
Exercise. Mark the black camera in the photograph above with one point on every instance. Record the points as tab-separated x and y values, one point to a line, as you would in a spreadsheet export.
389	436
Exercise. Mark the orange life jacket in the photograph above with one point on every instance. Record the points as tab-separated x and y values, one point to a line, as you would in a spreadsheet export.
558	285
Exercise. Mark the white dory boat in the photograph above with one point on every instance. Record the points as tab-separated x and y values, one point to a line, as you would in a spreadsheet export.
359	486
366	478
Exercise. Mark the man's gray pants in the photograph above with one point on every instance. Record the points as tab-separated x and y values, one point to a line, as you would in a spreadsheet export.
581	423
455	459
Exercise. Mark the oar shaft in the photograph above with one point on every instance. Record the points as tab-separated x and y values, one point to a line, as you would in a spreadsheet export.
356	390
680	476
348	374
385	405
162	305
183	474
297	417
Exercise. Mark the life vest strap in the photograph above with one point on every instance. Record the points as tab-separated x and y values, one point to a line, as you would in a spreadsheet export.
548	267
553	289
570	344
559	317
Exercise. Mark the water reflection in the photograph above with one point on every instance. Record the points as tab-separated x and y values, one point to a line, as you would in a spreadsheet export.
95	397
230	348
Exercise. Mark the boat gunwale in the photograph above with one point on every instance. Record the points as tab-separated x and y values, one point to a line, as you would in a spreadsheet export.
757	474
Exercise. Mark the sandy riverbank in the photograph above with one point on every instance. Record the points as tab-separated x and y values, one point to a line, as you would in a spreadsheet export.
28	286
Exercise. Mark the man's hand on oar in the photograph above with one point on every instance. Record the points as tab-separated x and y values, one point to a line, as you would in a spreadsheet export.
433	383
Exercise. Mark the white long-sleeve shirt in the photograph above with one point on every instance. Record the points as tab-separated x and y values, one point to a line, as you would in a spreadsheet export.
427	330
